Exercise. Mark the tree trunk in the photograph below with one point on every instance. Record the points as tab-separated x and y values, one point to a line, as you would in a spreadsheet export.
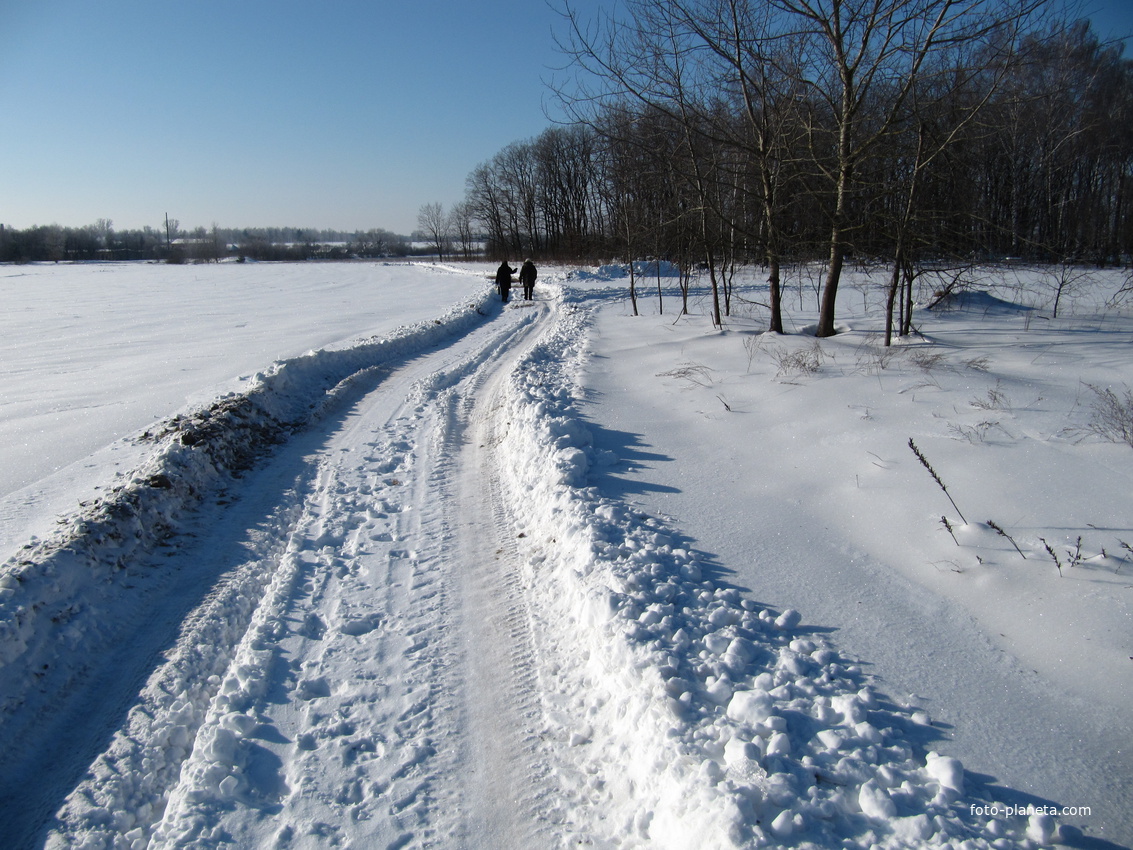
830	287
891	298
837	227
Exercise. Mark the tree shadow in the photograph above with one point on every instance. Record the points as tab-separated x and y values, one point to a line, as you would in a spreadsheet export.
616	455
620	472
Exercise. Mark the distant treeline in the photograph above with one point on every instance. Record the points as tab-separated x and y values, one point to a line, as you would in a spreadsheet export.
701	138
100	241
906	132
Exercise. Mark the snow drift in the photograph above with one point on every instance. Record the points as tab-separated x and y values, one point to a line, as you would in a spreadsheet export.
60	597
712	722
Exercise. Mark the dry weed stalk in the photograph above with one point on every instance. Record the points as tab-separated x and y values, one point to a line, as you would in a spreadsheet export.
994	527
948	527
1053	555
935	477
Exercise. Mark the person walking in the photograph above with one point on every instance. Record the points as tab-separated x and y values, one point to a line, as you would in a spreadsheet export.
503	280
527	276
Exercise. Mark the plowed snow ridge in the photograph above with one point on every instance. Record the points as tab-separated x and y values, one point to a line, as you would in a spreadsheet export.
414	624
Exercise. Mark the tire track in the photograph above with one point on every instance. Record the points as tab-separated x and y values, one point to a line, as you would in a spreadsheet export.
511	790
384	689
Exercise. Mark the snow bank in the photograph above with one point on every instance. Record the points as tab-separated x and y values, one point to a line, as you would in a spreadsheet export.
976	301
61	598
702	720
617	271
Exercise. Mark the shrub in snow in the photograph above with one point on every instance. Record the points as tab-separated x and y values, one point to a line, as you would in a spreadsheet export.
1111	416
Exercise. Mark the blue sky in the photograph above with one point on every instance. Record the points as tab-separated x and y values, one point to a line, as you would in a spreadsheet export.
335	114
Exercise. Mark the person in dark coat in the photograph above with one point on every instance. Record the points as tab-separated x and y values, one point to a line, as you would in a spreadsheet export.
527	276
503	280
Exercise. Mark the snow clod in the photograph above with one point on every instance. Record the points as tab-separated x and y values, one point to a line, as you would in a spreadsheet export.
875	802
949	772
750	707
789	619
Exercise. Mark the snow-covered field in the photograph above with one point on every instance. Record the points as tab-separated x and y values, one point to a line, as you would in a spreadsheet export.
349	555
95	353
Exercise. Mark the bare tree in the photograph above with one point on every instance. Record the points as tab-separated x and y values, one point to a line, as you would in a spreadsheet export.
566	176
650	59
865	59
754	67
1057	162
434	223
487	203
172	228
460	219
936	119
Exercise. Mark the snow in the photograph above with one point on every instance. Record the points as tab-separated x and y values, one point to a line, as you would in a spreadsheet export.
351	554
127	345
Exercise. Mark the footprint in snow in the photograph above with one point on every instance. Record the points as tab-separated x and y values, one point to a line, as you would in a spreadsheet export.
308	689
358	626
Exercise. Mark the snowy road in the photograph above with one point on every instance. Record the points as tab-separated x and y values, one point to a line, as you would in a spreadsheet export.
358	650
379	693
379	598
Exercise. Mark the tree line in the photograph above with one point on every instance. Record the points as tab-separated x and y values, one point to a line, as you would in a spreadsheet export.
913	132
170	243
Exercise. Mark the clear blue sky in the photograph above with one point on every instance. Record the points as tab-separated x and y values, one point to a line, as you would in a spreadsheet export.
346	114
